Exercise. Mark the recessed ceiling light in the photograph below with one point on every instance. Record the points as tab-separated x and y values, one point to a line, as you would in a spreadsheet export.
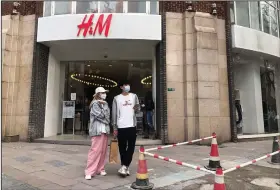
110	65
88	65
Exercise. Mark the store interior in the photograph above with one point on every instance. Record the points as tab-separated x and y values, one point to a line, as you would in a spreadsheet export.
82	77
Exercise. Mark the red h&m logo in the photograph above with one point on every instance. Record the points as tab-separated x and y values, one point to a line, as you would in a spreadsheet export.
87	25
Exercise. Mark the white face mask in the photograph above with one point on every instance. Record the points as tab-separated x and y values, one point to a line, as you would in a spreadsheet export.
103	96
126	88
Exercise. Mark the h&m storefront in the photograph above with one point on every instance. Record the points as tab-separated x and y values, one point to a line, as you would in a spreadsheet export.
91	50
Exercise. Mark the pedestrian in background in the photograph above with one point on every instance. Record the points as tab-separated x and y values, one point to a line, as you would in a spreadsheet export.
150	106
98	131
124	122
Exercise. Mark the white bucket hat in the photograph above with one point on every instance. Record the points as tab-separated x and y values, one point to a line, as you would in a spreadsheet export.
100	90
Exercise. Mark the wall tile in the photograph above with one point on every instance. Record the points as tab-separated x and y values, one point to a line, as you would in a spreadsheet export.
221	30
174	73
209	107
9	90
8	107
208	73
191	107
190	90
175	108
207	56
204	126
27	28
223	77
10	74
11	58
27	43
24	91
222	61
12	43
208	90
221	125
190	56
25	74
174	26
207	40
224	92
26	59
173	15
205	21
174	58
190	41
192	125
22	108
191	73
179	90
222	47
22	126
176	131
224	108
189	25
174	42
9	124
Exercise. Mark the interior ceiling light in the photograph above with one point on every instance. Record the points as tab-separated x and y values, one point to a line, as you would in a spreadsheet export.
144	80
75	77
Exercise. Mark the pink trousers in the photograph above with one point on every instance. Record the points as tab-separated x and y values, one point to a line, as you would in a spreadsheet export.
97	155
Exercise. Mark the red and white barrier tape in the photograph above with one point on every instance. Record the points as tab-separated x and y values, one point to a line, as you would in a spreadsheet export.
178	144
252	161
178	162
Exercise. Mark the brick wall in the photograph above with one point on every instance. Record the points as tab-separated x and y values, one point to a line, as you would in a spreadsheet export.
181	6
25	8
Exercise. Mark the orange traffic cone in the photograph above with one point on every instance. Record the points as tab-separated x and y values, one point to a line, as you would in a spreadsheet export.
219	180
142	178
214	161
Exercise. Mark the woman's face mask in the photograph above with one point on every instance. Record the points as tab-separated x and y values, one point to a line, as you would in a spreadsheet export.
103	96
126	88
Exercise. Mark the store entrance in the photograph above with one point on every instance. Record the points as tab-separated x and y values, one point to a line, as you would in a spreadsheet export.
82	77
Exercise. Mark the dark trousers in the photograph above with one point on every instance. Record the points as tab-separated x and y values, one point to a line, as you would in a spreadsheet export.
126	140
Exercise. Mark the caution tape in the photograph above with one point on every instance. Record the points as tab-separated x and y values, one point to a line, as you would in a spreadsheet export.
178	162
252	161
178	144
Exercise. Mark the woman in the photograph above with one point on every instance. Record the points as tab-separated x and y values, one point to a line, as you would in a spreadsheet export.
98	131
150	106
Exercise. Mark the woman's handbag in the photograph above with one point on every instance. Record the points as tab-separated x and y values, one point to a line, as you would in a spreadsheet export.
114	152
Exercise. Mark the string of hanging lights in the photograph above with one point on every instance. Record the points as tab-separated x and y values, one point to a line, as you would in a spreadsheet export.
144	80
76	76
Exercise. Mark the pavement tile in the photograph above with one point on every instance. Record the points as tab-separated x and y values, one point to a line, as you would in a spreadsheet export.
93	182
37	182
83	186
57	179
107	185
15	173
8	181
53	186
57	163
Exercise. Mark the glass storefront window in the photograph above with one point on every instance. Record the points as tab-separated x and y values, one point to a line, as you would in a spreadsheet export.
136	6
111	7
62	7
262	15
47	8
153	7
242	13
255	16
86	7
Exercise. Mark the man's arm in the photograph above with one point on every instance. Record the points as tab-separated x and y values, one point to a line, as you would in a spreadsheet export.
137	107
114	114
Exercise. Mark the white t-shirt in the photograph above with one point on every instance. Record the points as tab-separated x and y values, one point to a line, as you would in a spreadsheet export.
126	111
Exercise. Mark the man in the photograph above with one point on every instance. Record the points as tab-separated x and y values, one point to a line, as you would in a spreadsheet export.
124	122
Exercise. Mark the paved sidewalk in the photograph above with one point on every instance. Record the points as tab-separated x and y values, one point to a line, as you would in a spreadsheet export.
50	166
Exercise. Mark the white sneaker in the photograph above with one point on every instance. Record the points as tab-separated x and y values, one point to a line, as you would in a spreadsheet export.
127	172
103	173
88	177
122	171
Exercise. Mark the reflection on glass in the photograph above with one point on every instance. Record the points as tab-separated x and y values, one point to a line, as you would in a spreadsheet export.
242	13
232	12
111	6
62	7
47	8
136	6
273	17
86	7
153	7
255	15
265	14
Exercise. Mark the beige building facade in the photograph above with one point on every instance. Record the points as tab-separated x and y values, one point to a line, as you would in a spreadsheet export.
196	67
